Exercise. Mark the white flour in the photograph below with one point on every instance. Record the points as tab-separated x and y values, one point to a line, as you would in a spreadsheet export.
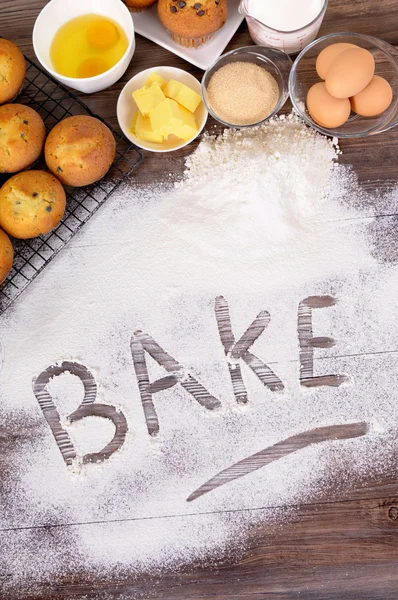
265	219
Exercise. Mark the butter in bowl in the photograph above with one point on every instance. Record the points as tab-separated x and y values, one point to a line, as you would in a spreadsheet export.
160	109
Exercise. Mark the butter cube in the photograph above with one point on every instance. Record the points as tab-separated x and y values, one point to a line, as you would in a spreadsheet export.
148	98
134	121
155	78
144	131
183	95
166	117
187	129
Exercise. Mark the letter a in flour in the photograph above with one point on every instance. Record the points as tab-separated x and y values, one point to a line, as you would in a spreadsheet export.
240	350
86	409
308	342
141	343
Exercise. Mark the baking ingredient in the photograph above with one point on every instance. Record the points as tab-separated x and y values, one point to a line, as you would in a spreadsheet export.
325	109
265	217
155	78
242	93
87	46
183	95
285	15
327	56
374	99
6	259
143	129
165	108
147	98
350	72
171	119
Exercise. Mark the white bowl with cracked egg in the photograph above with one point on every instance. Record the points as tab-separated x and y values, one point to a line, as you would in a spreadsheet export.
126	107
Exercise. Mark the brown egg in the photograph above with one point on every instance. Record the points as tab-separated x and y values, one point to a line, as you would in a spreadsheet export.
327	56
374	99
350	73
325	109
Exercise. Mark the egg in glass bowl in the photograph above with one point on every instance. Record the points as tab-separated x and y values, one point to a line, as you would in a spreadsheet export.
328	105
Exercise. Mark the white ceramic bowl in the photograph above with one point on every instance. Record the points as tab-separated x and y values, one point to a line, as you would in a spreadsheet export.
126	107
58	12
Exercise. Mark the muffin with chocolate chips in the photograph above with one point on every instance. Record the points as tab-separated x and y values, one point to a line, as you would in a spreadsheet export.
79	150
192	23
32	203
138	5
12	70
22	134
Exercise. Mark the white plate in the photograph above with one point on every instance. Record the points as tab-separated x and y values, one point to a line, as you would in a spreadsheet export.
147	24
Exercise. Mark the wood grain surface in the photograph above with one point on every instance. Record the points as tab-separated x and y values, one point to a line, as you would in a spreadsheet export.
345	545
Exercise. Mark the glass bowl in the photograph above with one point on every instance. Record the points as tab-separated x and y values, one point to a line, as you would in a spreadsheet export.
303	75
276	62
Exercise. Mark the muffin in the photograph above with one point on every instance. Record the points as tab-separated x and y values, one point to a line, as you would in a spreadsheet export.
138	5
12	70
22	137
6	255
79	150
32	203
191	23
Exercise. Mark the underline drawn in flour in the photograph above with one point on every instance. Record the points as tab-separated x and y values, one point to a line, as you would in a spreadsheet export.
280	450
87	408
308	342
239	350
143	342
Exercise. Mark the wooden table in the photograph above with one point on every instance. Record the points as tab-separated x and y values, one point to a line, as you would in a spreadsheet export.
343	548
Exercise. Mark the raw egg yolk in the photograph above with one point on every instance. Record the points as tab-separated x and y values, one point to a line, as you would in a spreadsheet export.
92	67
102	35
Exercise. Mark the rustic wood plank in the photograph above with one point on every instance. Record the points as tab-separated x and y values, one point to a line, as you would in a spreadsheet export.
340	551
327	551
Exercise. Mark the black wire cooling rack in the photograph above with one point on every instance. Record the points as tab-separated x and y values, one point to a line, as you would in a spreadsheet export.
54	102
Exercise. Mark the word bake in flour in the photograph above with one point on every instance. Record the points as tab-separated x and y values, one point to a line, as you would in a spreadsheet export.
236	351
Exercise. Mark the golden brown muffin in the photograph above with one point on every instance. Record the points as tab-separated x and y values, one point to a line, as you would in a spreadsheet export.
191	23
32	203
138	5
6	255
79	150
12	70
22	134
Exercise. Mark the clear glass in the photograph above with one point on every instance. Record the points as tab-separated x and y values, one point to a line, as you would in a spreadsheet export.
303	75
276	62
290	42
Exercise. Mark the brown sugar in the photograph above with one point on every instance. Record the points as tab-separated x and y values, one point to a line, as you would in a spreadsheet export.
242	93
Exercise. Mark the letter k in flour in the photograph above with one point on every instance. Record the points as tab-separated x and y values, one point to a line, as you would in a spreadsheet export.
239	350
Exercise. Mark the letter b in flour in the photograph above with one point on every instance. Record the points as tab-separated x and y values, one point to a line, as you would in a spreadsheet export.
87	408
308	342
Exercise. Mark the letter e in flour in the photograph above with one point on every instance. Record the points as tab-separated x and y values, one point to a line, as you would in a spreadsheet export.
308	342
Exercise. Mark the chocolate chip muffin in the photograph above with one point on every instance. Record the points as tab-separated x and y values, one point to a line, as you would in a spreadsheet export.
22	134
138	5
6	255
192	23
32	203
12	70
79	150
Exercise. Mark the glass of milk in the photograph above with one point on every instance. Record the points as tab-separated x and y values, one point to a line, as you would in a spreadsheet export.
288	25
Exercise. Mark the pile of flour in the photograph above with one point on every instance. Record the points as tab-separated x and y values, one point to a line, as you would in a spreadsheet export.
264	217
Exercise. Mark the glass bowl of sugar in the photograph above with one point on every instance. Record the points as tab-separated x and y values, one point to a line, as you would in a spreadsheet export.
247	86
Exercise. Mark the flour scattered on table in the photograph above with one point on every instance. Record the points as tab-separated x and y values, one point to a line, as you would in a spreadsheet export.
265	218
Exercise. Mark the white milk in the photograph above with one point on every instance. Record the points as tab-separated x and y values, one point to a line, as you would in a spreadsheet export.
285	24
285	15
